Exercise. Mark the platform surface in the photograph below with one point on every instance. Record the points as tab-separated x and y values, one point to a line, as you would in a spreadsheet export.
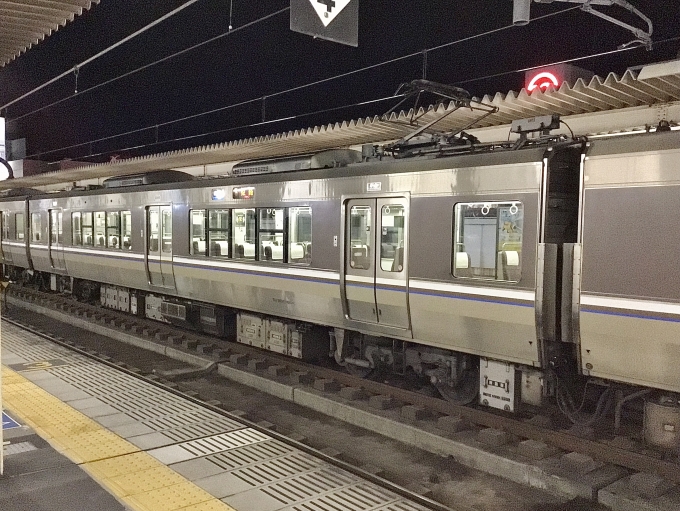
92	437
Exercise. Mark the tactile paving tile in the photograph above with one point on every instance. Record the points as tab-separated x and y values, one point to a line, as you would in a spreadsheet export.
169	498
144	481
260	473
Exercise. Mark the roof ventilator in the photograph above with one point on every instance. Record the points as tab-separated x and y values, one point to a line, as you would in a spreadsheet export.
323	160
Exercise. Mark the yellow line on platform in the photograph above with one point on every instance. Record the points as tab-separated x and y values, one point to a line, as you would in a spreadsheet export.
134	477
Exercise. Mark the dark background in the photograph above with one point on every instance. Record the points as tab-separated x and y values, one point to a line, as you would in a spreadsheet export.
267	58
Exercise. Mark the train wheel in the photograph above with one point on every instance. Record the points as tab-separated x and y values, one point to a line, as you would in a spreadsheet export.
463	391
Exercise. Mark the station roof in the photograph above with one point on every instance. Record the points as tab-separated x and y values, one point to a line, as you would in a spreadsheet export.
602	105
24	23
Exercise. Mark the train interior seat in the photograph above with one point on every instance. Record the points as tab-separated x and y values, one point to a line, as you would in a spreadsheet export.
267	252
199	246
100	241
398	262
509	265
153	245
113	242
215	249
297	252
360	257
462	265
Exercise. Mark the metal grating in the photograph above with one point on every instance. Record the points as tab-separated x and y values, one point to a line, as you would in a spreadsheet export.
19	448
268	469
252	454
360	497
267	472
599	95
307	486
27	22
223	442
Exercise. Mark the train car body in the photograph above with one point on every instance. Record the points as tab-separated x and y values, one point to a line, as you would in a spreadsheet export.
628	324
498	271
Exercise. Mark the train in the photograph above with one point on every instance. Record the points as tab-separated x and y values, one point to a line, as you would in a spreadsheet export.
506	274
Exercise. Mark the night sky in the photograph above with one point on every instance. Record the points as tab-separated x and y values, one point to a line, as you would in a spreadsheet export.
267	58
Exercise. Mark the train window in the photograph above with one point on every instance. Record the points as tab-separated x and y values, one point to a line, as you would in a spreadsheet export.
243	225
113	229
56	229
88	234
360	237
100	228
19	225
218	232
76	229
166	219
126	229
300	235
197	232
5	225
36	227
153	228
271	234
392	238
487	240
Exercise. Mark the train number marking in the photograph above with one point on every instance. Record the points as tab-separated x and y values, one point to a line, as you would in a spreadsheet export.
39	365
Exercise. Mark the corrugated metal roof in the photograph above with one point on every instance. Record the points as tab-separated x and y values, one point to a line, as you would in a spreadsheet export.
601	105
24	23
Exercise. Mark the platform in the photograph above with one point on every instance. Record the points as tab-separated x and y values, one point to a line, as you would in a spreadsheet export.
87	427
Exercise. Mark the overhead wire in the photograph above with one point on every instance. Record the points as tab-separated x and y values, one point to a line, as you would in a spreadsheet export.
275	94
151	64
565	61
220	131
293	89
77	67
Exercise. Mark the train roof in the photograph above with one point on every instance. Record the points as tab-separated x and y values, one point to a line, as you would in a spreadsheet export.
626	97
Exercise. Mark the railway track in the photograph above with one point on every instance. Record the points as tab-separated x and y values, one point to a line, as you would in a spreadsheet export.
414	407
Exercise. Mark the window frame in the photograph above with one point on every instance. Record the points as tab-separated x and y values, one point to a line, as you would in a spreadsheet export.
506	262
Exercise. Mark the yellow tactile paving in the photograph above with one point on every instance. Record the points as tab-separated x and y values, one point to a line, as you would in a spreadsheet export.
170	498
145	481
208	505
133	476
129	464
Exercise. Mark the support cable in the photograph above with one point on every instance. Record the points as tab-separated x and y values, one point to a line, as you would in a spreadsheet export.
150	64
101	53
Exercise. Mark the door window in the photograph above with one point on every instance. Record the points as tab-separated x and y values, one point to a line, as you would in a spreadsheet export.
360	237
392	238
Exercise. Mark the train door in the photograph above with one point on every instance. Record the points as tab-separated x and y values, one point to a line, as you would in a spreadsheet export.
159	246
4	236
375	280
56	239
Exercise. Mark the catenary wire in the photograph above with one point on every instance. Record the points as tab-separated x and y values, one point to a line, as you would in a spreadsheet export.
214	132
566	61
77	67
274	94
151	64
293	89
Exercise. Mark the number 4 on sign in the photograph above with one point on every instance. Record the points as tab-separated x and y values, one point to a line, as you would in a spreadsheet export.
327	10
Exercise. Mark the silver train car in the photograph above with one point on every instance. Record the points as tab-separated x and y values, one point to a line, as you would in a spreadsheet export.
498	274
